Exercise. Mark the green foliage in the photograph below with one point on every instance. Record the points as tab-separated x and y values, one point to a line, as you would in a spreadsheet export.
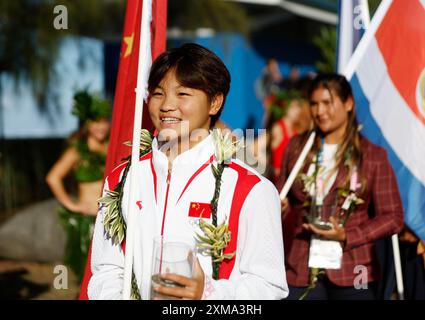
326	42
29	43
373	5
280	101
89	107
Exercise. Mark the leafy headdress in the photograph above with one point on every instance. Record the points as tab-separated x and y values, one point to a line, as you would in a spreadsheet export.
90	107
280	101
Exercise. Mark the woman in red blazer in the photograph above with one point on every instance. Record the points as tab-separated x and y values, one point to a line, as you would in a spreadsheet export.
344	199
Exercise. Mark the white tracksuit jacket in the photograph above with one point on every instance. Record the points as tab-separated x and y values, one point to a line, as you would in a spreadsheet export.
257	270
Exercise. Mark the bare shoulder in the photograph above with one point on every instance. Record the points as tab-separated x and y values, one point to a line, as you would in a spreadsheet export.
68	158
70	154
64	164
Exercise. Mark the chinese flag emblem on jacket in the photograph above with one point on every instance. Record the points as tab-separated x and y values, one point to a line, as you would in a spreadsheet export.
198	209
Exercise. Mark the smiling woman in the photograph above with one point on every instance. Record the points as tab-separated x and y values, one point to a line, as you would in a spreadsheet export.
171	105
345	199
199	195
187	89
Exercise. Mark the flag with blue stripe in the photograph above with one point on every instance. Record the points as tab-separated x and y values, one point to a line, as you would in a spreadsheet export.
387	73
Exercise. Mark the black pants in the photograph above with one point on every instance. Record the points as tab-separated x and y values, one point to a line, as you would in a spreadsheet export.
413	272
326	290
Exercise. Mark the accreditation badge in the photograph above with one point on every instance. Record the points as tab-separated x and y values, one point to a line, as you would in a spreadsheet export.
326	254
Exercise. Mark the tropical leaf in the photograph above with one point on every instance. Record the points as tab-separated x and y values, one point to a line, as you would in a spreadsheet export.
215	240
326	42
146	139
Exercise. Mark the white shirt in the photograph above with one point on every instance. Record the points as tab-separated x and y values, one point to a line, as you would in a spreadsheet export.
328	163
258	272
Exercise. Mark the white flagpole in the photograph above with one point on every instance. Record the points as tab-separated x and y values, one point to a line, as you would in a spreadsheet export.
397	264
144	63
353	16
297	166
345	33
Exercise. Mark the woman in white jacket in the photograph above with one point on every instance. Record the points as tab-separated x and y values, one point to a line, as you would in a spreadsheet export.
187	183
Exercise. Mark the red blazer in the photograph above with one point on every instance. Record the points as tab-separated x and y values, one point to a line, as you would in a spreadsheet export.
380	216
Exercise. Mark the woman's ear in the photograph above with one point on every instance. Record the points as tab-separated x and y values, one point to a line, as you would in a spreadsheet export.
349	104
216	104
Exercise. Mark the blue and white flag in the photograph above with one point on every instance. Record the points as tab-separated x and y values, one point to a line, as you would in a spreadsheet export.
353	21
387	73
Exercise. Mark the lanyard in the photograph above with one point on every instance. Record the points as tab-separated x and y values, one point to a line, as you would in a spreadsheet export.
319	179
320	153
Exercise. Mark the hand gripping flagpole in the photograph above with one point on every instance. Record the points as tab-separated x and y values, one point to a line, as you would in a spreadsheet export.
297	166
144	63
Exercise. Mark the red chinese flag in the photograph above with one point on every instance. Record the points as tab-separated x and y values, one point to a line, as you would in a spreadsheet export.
125	94
198	209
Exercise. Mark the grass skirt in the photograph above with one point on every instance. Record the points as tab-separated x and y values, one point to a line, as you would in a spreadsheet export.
79	231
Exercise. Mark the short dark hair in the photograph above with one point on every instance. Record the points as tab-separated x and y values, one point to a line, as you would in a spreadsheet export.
195	67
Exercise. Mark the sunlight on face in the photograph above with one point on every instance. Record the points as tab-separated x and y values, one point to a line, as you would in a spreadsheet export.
176	111
328	111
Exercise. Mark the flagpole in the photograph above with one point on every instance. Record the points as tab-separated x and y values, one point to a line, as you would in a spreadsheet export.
297	166
144	63
397	264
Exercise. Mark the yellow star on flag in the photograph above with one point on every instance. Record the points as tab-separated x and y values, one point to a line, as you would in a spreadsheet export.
129	42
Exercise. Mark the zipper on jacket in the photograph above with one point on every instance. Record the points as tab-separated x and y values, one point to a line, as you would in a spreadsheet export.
166	201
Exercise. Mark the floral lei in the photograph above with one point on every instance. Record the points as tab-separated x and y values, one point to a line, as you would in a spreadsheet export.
350	201
215	237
